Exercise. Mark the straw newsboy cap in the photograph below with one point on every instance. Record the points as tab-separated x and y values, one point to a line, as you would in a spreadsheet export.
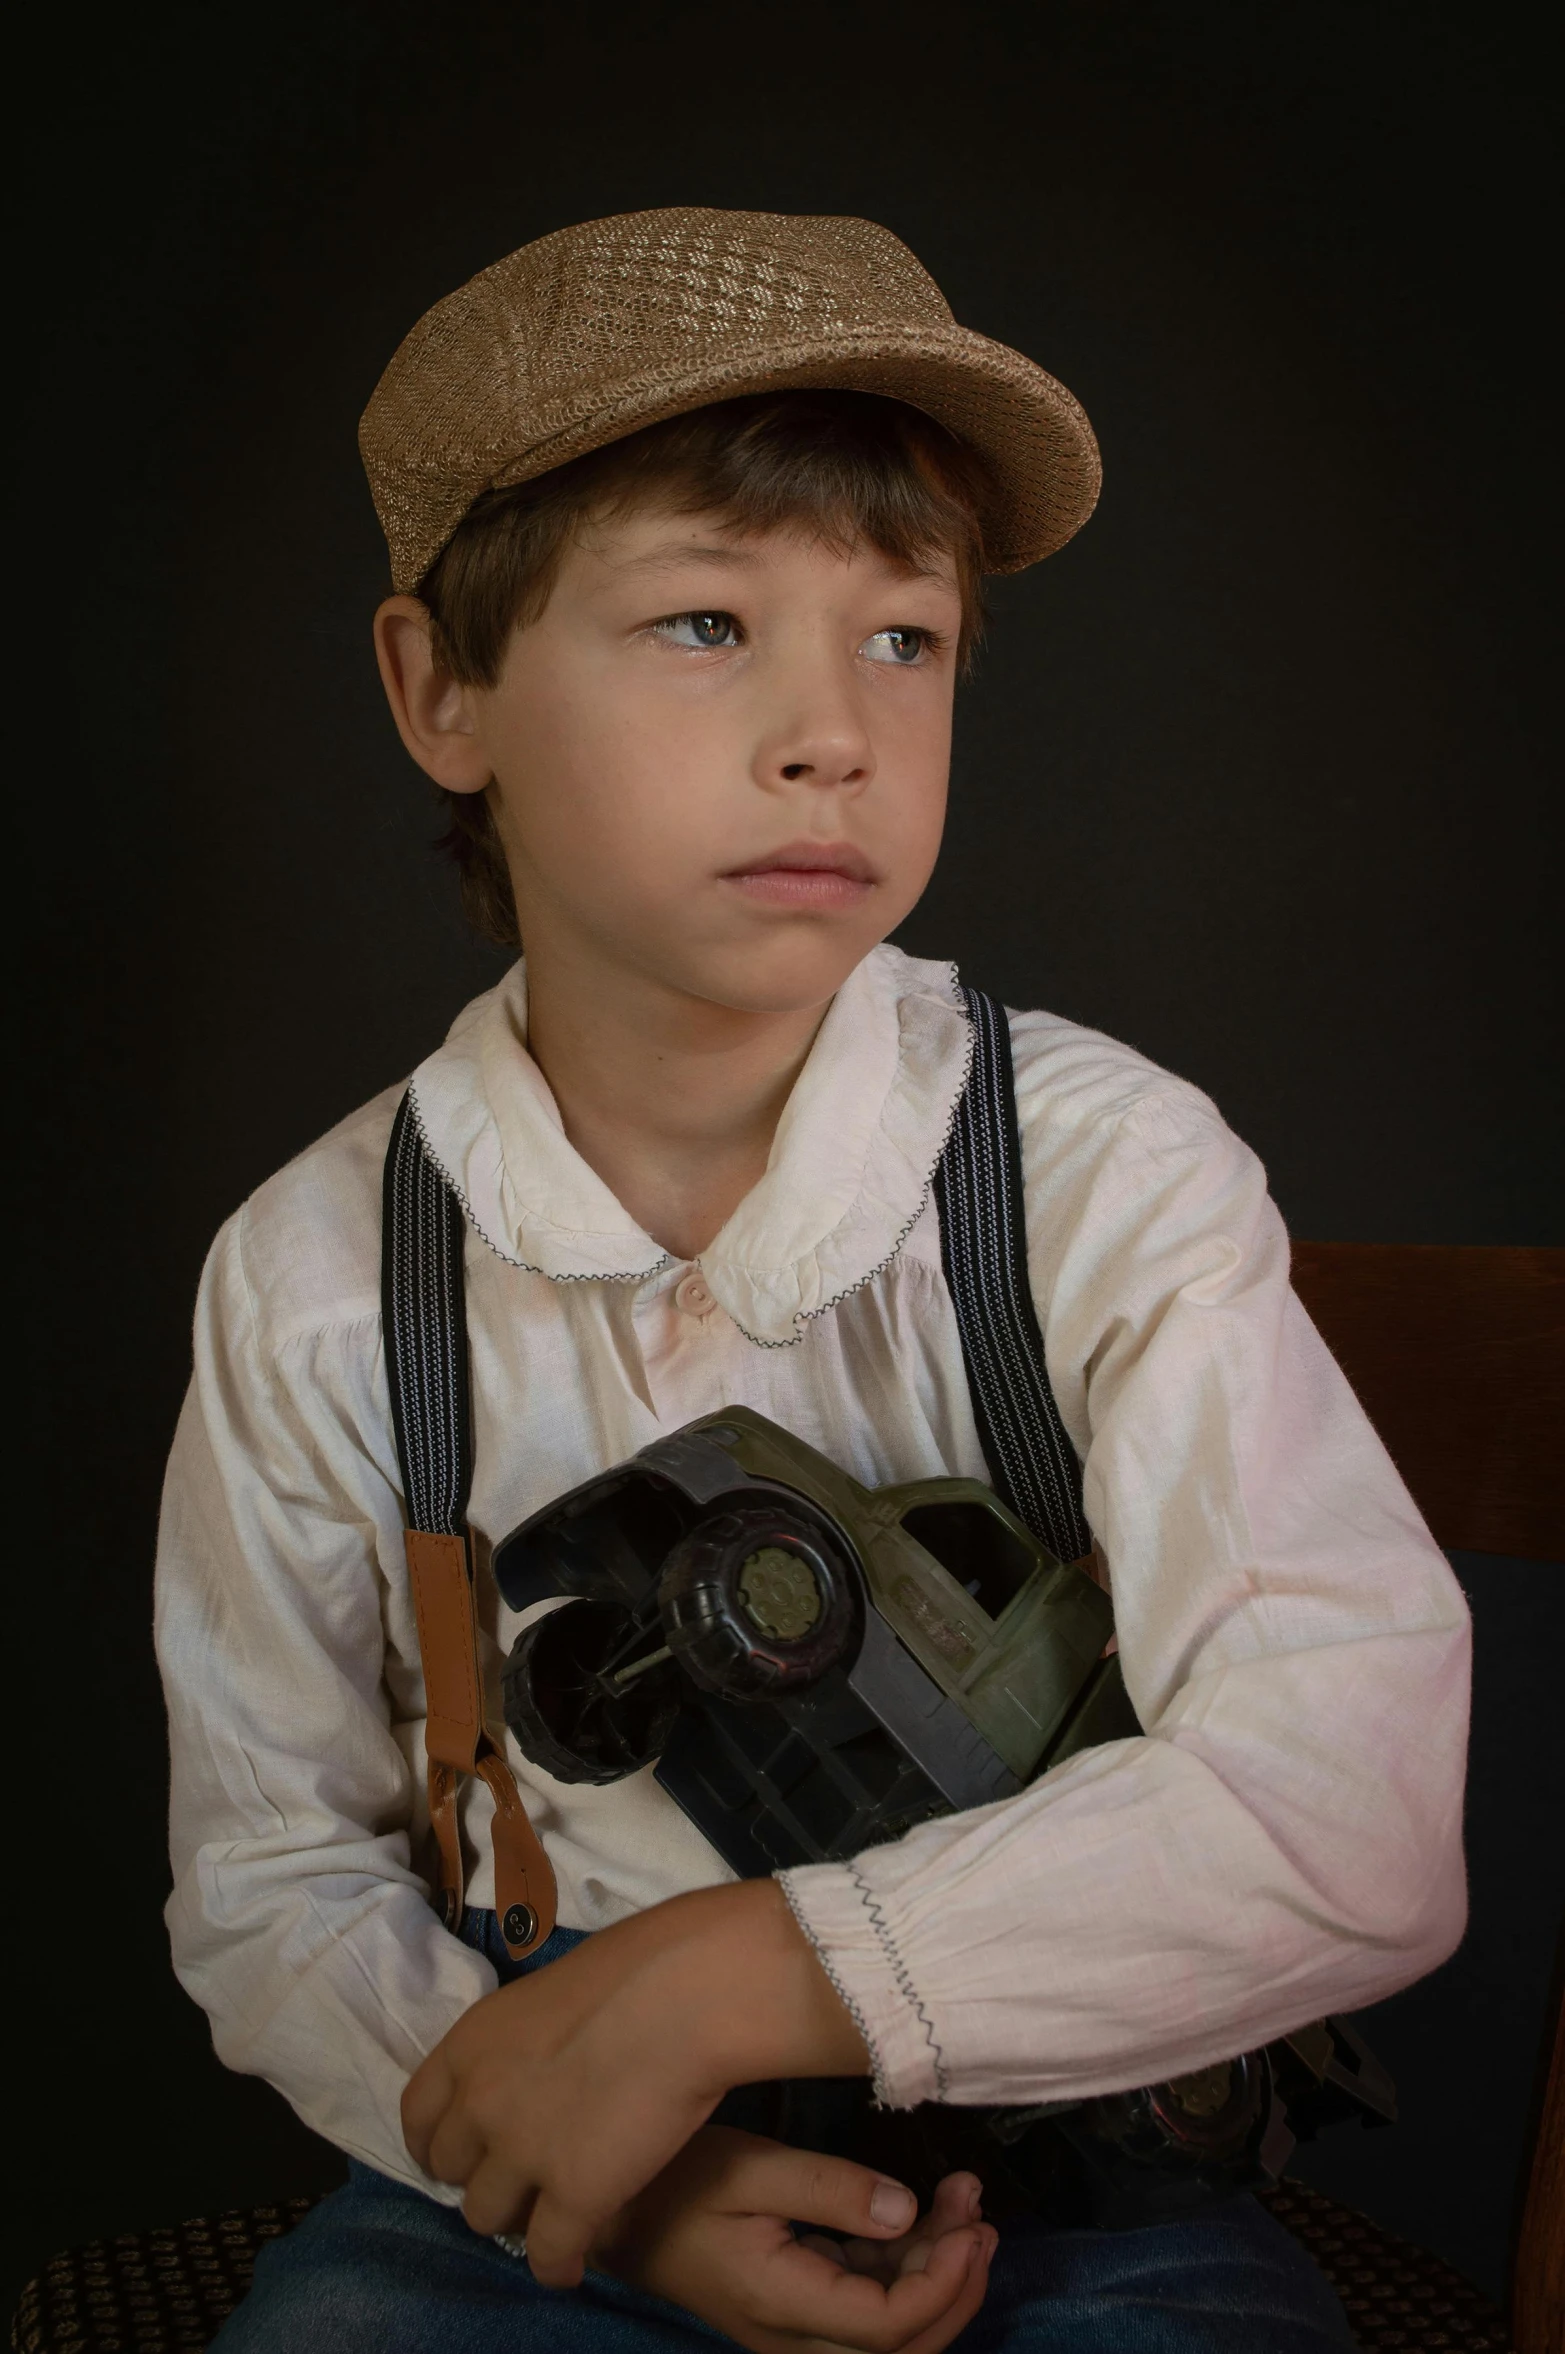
591	333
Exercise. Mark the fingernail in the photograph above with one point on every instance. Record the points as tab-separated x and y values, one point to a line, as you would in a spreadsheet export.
975	2199
891	2205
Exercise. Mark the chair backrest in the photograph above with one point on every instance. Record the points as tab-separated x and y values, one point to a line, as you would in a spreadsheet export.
1458	1355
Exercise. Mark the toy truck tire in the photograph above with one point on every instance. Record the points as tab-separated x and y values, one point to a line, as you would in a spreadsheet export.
556	1706
757	1600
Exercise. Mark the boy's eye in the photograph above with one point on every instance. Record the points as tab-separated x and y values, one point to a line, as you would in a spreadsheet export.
896	645
699	629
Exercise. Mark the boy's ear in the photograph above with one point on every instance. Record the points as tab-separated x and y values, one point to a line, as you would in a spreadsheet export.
435	716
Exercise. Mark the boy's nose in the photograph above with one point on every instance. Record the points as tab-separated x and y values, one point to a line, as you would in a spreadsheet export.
830	772
830	747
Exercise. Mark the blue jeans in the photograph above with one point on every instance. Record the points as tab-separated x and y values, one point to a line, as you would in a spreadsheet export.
377	2268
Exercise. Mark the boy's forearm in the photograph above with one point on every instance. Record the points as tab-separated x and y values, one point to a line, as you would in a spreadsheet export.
561	2096
731	1973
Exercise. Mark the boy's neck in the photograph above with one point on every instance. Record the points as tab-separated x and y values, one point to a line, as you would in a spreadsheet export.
671	1099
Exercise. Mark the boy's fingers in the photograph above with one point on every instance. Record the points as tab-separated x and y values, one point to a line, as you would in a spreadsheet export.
496	2199
770	2179
958	2200
971	2287
924	2310
820	2245
558	2241
425	2099
456	2148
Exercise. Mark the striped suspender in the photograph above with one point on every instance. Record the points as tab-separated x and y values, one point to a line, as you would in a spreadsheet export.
424	1320
983	1245
983	1241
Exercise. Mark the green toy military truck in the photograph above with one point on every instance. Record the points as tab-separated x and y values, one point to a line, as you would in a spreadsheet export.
814	1665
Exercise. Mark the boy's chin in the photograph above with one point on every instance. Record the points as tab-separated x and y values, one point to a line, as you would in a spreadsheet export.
777	976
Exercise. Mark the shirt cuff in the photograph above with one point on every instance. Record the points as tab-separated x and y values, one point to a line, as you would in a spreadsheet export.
846	1922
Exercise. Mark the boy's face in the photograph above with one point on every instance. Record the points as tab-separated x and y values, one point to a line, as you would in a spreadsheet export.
720	759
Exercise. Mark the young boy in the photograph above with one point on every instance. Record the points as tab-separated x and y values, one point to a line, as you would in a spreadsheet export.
688	513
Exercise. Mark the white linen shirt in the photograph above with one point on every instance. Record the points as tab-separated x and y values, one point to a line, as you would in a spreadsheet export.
1284	1839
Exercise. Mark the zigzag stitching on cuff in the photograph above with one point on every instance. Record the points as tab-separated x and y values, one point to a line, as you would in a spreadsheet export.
877	2071
902	1979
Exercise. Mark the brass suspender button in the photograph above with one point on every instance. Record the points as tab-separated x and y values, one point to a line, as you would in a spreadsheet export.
520	1925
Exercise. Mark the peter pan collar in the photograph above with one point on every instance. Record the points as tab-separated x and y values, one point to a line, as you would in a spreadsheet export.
848	1174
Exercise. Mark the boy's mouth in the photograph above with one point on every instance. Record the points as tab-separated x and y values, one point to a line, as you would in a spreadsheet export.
807	874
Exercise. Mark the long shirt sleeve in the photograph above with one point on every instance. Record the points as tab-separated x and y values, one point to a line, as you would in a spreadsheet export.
1284	1839
297	1919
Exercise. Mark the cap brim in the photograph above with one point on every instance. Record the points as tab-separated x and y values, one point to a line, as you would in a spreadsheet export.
1033	435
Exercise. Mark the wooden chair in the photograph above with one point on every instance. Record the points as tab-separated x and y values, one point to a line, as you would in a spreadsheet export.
1459	1356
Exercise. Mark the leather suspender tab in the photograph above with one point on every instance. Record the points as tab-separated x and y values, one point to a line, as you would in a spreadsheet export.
525	1897
447	1639
457	1741
424	1321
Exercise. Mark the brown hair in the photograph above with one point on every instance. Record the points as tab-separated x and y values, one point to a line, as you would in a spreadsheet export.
848	465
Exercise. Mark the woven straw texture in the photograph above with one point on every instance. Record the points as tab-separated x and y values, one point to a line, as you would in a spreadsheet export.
174	2288
595	331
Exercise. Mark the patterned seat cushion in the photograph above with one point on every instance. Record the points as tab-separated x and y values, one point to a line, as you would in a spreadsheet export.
146	2291
1394	2294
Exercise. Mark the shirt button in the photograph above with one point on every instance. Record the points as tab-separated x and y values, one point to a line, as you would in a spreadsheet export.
693	1296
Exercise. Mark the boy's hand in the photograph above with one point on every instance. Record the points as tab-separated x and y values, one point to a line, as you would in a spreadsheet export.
557	2099
711	2233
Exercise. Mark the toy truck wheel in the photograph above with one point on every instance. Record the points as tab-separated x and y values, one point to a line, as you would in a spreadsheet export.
569	1704
756	1600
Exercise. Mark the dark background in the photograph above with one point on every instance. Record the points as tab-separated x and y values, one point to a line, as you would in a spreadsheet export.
1252	775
